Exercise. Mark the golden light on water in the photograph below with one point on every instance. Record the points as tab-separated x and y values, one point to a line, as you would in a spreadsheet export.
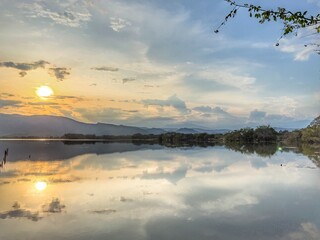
41	185
44	91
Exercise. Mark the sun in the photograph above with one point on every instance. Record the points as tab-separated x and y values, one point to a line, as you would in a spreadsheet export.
44	91
41	185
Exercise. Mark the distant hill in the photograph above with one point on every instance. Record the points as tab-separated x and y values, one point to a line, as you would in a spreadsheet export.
15	125
53	126
198	130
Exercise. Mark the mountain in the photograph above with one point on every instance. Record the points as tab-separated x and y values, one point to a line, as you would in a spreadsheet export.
196	130
315	122
15	125
54	126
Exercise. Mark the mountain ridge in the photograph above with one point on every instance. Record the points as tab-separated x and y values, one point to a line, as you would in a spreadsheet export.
16	125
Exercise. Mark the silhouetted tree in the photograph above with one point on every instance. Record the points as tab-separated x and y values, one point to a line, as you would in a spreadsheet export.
292	21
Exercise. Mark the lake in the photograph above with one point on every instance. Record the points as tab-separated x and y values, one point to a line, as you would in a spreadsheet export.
74	190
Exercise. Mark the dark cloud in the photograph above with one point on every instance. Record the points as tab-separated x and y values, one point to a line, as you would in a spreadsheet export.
22	74
66	180
125	80
50	173
132	111
54	206
124	199
7	95
59	73
42	103
107	69
4	182
103	211
9	103
63	97
172	101
18	212
24	67
24	180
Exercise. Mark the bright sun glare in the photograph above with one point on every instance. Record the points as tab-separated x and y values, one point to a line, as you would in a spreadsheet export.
44	91
41	185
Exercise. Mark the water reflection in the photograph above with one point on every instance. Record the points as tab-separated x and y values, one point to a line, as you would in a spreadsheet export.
61	150
158	193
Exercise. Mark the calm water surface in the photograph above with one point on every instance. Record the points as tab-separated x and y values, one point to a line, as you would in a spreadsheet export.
54	190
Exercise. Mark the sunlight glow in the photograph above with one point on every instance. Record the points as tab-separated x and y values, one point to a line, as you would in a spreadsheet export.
44	91
41	185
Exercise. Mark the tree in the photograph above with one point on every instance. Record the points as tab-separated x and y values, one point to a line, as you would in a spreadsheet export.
292	21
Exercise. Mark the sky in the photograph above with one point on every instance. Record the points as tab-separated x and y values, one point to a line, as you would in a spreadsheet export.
157	63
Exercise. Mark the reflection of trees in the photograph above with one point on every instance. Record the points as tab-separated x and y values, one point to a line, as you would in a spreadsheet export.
267	150
312	151
263	150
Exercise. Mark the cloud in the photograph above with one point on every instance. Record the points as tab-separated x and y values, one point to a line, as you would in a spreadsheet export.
124	199
195	82
54	206
23	73
125	80
63	97
9	103
104	114
59	72
4	182
64	180
172	177
172	101
257	116
103	211
228	78
18	212
118	24
297	44
72	16
43	104
208	109
107	69
307	230
7	94
301	52
24	67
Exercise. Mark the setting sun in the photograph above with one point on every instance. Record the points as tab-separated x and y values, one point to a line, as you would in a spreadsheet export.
41	185
44	91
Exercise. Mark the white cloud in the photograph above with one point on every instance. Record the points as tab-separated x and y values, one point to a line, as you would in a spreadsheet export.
118	24
303	45
307	230
242	81
68	16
